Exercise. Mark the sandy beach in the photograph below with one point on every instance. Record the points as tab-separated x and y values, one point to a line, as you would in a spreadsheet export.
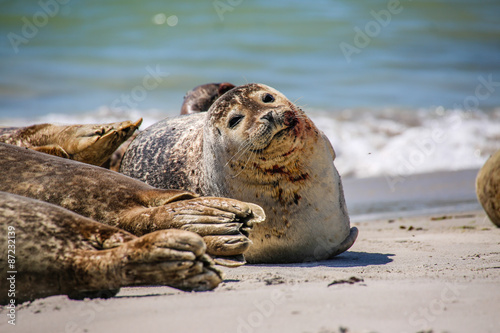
407	92
424	273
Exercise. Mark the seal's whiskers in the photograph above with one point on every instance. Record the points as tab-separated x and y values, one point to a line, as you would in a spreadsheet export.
252	153
242	149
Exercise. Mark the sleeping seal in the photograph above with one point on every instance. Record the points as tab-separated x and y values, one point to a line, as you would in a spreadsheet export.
49	250
114	199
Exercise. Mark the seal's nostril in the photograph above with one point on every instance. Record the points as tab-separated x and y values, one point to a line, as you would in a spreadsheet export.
268	116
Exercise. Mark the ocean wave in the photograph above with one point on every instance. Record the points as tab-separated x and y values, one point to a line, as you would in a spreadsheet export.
394	142
386	142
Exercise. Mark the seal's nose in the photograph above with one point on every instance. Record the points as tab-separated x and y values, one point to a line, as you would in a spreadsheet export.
268	116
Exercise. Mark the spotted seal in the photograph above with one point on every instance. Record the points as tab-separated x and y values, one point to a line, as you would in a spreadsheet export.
254	145
114	199
58	252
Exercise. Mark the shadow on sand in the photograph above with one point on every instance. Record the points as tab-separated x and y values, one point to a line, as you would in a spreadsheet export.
346	259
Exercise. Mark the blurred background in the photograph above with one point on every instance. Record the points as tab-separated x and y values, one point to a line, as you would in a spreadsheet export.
399	87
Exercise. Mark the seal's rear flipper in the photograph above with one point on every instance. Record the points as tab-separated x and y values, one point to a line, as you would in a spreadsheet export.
347	243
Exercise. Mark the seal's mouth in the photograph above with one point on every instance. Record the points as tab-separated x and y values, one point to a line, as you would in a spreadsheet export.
283	132
288	121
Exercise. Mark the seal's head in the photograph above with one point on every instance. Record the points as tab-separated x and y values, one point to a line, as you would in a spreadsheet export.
259	147
261	130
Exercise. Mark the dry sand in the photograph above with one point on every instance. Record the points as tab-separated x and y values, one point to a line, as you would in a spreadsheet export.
413	274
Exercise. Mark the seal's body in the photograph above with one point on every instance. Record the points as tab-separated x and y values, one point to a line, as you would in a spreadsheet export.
254	145
58	252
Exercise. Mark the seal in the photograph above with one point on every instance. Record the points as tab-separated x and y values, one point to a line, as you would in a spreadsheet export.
92	144
200	98
488	187
114	199
58	252
256	146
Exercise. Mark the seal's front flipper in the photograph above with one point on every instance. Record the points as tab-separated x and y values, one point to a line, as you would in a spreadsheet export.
168	257
224	223
172	258
346	243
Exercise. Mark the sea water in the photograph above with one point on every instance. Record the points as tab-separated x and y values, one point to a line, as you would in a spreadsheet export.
399	87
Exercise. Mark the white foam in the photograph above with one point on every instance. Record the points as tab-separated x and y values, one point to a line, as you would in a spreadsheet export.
398	142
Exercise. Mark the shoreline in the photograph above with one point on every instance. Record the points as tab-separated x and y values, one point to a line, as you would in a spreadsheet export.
413	274
438	192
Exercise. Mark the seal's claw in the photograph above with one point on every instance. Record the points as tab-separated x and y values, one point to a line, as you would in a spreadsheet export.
227	245
244	212
257	216
238	208
208	279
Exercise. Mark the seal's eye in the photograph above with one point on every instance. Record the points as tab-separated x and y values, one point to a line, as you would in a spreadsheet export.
235	120
268	98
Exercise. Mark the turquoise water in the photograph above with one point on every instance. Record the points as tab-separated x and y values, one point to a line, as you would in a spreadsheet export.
78	56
